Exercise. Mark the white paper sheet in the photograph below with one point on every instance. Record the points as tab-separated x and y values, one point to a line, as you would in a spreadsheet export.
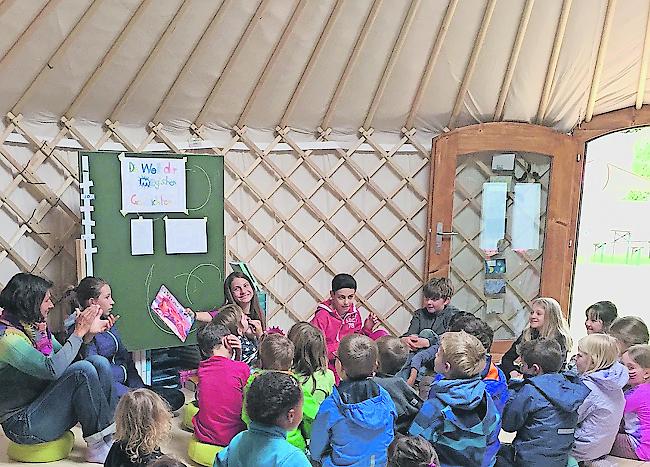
525	216
151	184
186	235
493	215
141	237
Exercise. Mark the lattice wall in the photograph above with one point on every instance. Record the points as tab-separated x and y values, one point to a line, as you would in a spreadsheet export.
297	217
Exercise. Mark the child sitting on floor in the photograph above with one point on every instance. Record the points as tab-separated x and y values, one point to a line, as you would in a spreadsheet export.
354	425
542	408
237	322
276	354
221	386
459	418
435	316
142	422
274	402
629	331
392	357
600	414
546	320
310	367
411	451
495	381
634	443
600	317
338	317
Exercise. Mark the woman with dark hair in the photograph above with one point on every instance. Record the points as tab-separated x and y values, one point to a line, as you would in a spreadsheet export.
238	290
95	291
43	393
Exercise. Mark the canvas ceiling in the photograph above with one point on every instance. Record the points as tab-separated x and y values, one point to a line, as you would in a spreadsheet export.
323	110
339	64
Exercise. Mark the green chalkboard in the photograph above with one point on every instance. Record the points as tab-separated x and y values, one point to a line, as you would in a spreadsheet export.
194	279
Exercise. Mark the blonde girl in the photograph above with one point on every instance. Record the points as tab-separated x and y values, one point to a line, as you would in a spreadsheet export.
628	331
600	414
234	319
142	423
545	320
634	441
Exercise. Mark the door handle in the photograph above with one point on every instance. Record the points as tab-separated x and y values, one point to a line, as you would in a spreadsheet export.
439	234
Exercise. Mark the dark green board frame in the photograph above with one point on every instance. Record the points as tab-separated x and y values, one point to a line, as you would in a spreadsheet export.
194	279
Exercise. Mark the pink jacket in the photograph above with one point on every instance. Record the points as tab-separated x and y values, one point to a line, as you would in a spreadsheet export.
335	328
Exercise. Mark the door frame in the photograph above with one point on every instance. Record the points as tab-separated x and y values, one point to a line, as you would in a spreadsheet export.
563	195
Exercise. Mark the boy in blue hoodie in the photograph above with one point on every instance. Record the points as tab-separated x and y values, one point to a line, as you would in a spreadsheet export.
354	425
542	408
459	418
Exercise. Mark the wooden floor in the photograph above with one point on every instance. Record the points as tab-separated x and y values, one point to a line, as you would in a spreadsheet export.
177	447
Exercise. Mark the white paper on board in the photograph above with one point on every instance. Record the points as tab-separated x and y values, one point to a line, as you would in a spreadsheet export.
141	237
526	215
186	235
153	184
493	214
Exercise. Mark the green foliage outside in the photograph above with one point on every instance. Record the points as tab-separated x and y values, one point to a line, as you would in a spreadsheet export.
641	167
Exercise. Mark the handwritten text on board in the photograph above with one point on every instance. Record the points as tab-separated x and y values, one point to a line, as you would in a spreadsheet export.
153	184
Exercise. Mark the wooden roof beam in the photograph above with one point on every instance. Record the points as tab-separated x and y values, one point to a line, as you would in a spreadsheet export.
270	63
388	70
600	59
431	62
151	58
356	51
214	21
514	58
327	29
12	47
643	72
67	40
106	59
232	58
471	65
552	63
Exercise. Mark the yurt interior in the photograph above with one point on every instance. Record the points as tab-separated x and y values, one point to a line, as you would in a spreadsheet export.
502	144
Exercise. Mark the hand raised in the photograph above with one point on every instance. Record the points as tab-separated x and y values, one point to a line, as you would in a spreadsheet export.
85	320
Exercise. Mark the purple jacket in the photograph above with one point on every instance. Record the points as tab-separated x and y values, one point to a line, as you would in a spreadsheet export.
600	414
109	344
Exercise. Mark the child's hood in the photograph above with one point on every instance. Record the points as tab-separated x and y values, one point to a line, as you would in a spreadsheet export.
367	404
609	379
460	393
327	306
564	390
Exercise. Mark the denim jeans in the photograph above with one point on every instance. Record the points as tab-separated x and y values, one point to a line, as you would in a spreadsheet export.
84	393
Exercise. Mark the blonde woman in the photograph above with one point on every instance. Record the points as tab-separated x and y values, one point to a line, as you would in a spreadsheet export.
545	320
600	414
142	422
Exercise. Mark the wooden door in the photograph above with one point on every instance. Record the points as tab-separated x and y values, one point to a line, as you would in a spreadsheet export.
461	163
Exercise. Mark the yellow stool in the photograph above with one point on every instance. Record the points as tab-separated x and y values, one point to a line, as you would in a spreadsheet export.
202	453
189	411
44	452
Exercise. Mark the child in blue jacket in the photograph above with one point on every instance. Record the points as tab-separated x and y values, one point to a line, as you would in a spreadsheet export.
542	408
274	404
459	418
354	425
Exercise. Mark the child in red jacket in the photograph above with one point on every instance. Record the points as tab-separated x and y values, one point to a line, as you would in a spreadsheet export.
338	317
